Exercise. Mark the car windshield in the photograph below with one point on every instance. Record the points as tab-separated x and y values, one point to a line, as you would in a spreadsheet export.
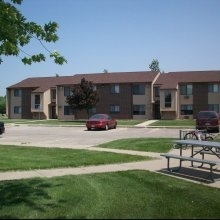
97	117
206	115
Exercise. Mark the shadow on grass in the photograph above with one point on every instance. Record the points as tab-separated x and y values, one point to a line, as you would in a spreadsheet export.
194	174
26	193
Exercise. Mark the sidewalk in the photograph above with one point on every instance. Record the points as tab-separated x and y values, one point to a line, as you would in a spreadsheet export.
158	164
145	124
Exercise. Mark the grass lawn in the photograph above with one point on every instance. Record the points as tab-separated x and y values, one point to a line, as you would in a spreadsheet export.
184	122
159	145
121	122
118	195
26	158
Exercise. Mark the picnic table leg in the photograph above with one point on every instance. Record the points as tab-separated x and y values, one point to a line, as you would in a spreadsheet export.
168	165
211	173
181	154
192	155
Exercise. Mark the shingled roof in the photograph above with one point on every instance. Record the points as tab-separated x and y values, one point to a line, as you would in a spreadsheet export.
118	77
42	84
172	79
166	80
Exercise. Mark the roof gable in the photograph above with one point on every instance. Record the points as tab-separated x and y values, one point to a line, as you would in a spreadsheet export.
172	79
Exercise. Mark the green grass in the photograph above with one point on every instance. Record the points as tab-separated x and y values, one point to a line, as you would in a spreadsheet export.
27	158
160	145
185	122
119	195
121	122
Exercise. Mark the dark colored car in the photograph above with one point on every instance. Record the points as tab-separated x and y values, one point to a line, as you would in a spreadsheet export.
2	127
208	120
101	121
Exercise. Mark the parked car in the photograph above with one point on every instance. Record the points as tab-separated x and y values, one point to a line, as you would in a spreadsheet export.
101	121
2	127
208	120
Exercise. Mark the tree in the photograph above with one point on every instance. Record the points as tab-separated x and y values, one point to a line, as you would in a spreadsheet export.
16	32
154	66
2	105
83	96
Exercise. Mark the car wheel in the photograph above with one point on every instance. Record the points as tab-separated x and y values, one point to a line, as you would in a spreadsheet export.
106	127
88	129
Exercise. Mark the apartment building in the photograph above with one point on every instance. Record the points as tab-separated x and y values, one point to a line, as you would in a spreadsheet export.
124	95
183	94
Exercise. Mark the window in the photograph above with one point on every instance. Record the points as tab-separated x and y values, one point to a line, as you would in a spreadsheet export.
138	109
37	101
53	94
17	92
186	109
67	91
115	88
68	110
17	109
114	108
138	89
186	89
214	107
157	91
213	88
167	99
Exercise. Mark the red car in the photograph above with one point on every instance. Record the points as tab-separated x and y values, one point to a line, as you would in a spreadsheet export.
101	121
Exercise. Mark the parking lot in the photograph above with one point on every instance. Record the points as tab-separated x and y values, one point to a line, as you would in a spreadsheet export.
75	137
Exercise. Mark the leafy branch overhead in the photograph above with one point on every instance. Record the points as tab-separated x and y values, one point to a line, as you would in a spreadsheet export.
16	32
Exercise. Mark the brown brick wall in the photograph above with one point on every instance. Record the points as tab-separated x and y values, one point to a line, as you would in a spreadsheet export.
200	97
123	99
26	104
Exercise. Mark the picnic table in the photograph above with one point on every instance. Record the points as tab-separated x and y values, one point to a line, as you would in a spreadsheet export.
198	148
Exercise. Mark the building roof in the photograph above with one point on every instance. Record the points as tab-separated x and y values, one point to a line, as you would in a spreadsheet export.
41	84
44	83
172	79
165	80
118	77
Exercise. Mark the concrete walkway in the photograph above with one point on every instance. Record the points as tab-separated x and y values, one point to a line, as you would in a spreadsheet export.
158	164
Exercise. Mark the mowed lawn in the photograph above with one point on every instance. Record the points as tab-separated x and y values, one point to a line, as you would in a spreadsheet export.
117	195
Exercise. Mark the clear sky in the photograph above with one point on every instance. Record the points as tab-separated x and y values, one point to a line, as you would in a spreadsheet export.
121	35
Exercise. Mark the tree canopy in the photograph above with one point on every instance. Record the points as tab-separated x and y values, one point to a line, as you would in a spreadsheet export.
2	105
16	32
154	66
84	96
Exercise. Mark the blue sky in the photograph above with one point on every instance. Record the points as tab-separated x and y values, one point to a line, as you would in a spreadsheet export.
121	35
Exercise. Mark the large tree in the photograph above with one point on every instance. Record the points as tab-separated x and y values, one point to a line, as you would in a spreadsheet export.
84	96
16	32
2	105
154	66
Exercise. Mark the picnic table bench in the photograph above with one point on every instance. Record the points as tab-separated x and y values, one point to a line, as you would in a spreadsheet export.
185	158
203	147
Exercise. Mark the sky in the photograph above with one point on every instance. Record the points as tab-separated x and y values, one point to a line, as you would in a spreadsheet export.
120	36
